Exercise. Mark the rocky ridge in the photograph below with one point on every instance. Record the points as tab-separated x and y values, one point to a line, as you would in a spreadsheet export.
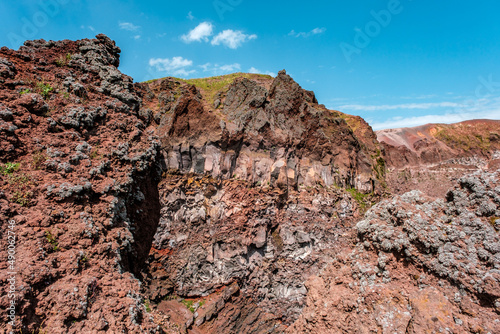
261	130
248	160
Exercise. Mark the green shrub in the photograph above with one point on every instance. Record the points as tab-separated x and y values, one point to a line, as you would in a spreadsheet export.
23	198
52	240
361	198
63	60
21	184
44	89
148	306
188	304
9	168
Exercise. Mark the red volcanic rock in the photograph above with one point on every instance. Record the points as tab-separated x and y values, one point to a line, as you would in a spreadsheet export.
79	174
252	195
34	103
80	170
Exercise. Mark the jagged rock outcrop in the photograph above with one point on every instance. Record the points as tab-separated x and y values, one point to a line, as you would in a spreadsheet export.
261	130
78	181
244	166
420	265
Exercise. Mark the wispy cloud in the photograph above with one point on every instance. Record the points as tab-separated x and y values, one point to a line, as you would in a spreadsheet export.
486	108
91	28
257	71
408	106
404	122
232	39
217	69
420	97
315	31
128	26
200	33
177	66
136	37
190	16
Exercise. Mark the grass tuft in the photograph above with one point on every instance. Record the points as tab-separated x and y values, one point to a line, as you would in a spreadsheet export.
212	85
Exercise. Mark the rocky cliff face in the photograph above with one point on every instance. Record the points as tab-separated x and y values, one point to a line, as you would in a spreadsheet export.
249	160
79	175
246	160
213	233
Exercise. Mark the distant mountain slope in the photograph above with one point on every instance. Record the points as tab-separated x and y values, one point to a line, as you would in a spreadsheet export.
434	143
431	157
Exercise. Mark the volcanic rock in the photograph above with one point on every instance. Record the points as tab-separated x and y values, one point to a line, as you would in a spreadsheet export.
81	190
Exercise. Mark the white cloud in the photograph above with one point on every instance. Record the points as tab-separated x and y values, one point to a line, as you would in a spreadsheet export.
232	39
136	37
315	31
128	26
257	71
410	106
200	33
177	66
217	69
190	16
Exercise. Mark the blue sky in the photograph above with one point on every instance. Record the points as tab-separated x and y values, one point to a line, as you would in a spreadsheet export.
395	63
